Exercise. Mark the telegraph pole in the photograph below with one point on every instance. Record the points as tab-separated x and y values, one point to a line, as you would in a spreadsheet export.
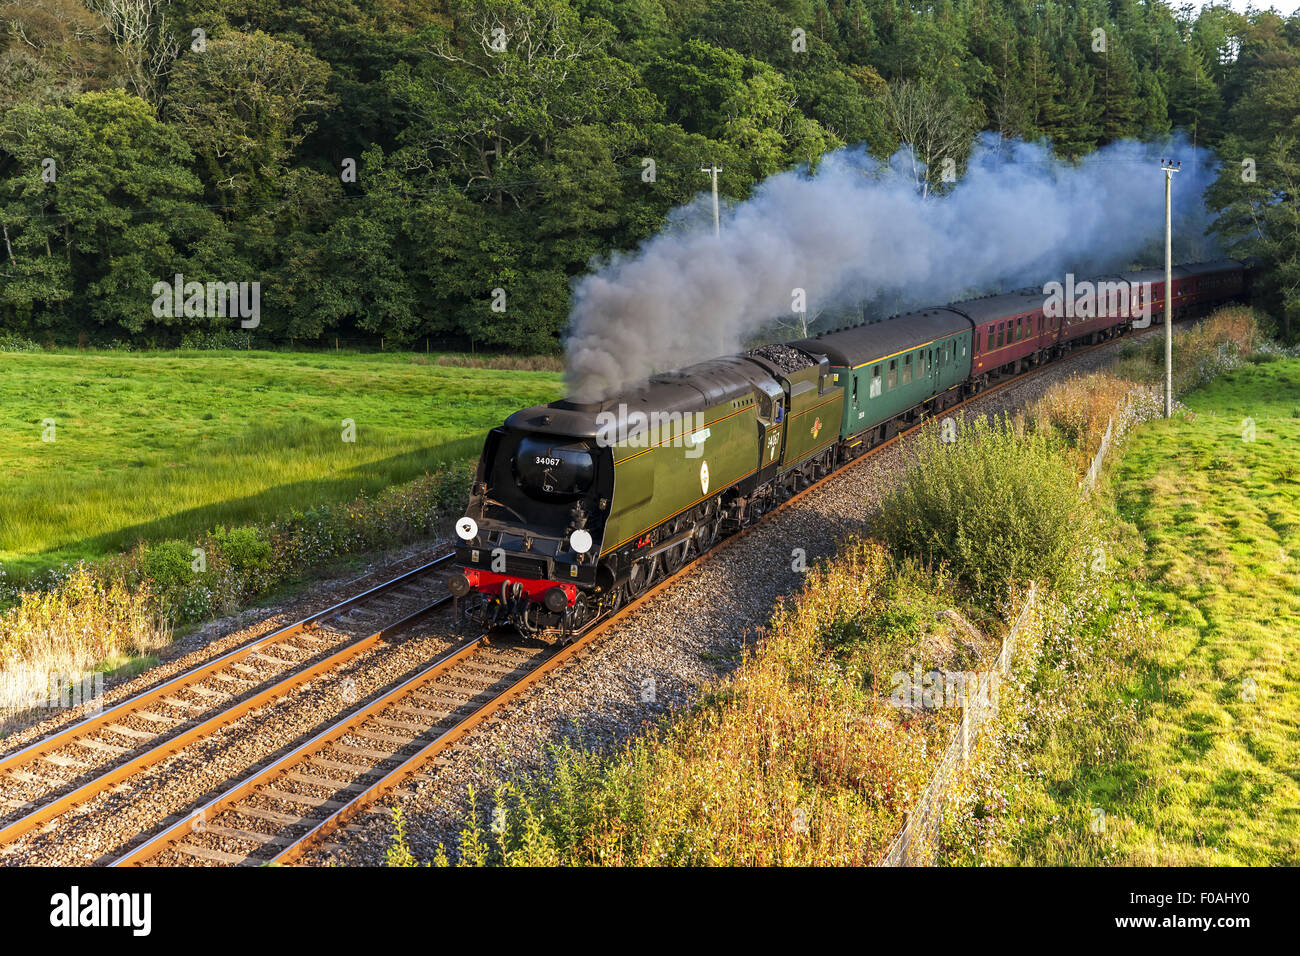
712	170
1170	167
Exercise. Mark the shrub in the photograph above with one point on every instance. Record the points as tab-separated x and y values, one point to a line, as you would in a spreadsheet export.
12	342
998	507
244	549
168	563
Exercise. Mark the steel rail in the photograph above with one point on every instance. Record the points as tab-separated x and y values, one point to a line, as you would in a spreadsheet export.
177	830
172	745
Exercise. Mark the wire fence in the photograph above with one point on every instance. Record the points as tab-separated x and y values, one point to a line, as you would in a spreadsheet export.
1094	469
915	843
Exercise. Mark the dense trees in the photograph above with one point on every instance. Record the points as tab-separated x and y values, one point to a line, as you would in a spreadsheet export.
403	169
1258	192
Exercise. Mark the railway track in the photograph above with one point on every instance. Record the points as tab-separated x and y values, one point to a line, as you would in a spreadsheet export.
58	773
287	806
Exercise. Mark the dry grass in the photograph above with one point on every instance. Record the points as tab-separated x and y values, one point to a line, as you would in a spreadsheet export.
798	757
1078	410
1201	351
61	635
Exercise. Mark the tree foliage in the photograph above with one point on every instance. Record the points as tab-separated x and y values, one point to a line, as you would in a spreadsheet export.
396	169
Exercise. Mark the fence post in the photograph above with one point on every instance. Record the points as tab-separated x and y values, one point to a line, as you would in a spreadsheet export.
923	818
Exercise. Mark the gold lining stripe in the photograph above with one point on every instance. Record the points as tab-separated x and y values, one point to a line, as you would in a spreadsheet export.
901	351
666	441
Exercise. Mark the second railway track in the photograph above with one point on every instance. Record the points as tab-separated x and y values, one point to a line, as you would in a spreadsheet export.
58	773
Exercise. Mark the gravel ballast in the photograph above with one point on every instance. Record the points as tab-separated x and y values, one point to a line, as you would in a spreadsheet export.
652	663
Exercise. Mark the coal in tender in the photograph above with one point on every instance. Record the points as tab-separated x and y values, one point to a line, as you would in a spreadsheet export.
784	357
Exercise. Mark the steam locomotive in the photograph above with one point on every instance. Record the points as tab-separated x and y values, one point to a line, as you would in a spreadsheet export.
578	507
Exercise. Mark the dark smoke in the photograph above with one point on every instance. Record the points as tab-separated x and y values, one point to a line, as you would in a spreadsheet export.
858	229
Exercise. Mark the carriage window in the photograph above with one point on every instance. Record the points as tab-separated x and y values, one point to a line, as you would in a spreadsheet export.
907	368
893	375
875	382
855	390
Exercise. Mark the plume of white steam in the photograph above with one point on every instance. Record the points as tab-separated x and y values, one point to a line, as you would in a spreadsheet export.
859	229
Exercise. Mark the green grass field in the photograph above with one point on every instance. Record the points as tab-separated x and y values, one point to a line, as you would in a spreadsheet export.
1155	721
1217	778
168	444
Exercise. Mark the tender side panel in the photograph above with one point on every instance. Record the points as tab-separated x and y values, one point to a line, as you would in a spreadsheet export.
812	423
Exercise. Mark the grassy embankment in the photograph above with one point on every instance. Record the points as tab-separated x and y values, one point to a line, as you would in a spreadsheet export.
240	455
1162	725
798	757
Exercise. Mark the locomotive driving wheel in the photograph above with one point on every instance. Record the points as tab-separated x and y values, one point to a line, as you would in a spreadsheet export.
616	598
706	532
673	559
637	580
